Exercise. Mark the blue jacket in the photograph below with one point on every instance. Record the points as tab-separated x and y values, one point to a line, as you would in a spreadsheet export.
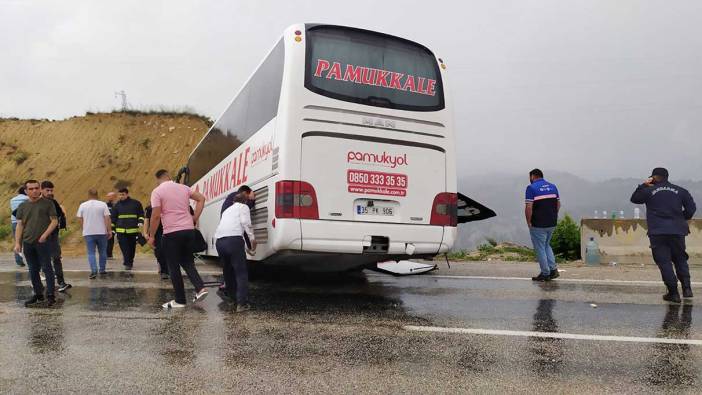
668	207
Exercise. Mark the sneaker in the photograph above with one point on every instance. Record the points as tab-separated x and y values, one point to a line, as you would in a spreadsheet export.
104	272
541	278
42	276
173	305
127	267
687	292
50	300
200	295
240	308
554	274
110	258
20	264
670	297
64	287
164	276
93	275
33	300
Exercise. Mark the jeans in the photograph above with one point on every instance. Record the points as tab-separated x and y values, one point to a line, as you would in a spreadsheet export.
541	239
38	257
18	258
177	248
127	244
99	242
236	276
668	252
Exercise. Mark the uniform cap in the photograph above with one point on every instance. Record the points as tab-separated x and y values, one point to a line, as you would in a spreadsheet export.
660	171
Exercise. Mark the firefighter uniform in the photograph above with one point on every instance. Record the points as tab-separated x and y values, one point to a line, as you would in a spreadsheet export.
127	217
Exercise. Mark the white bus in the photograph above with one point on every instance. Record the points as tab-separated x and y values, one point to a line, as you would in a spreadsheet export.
346	137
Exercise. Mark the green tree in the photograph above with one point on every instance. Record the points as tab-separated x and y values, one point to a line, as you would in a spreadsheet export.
566	239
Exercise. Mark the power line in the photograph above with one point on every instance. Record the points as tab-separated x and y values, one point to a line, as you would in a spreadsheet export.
122	94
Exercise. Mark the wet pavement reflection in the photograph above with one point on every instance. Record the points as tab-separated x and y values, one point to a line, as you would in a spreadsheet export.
672	365
354	321
546	353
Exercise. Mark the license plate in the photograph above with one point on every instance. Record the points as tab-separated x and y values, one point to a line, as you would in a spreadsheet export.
375	210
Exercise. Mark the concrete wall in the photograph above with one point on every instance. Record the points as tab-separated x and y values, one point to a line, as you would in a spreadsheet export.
625	240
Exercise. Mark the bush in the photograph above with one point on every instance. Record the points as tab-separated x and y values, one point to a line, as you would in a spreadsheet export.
65	233
566	239
19	157
5	231
145	143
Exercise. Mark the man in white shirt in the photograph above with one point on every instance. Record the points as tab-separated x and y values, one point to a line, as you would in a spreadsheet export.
94	217
231	247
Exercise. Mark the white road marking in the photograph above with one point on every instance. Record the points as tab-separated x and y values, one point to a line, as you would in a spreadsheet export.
551	335
560	280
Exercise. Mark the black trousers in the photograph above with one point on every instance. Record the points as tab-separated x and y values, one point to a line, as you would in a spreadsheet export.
227	270
236	276
38	256
668	253
110	245
127	244
158	253
177	248
55	247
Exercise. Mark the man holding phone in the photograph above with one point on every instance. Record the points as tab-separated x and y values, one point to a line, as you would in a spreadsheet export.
668	208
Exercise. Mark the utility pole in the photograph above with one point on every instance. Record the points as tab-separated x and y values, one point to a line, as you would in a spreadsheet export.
122	95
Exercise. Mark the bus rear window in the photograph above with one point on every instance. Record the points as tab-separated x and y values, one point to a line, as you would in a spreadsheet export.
373	69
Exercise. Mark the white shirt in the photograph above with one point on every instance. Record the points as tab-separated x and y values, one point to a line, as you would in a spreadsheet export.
235	221
93	213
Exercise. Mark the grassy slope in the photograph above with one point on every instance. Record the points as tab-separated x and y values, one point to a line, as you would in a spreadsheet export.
98	150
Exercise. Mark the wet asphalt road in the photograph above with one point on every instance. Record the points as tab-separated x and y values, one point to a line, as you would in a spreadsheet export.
345	334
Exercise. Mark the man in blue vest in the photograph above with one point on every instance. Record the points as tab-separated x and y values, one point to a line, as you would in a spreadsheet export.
668	208
541	212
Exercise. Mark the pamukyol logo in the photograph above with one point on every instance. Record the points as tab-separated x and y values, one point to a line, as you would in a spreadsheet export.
384	159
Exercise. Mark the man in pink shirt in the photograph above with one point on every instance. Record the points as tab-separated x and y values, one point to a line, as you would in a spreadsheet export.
170	204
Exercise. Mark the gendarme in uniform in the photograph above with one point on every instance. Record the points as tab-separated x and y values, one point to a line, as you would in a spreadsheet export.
668	208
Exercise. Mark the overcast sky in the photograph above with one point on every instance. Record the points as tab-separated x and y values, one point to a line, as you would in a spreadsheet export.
597	88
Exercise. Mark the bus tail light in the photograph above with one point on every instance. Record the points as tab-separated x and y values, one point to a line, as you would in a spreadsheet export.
295	199
444	211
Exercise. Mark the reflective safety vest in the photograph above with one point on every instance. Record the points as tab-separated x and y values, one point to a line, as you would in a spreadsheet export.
127	216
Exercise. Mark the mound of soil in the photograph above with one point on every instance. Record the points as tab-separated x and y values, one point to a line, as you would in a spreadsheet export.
103	151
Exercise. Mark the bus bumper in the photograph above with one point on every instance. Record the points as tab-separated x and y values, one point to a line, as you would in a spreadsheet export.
348	237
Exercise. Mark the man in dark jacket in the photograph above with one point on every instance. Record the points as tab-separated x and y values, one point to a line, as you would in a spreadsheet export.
668	208
47	192
128	217
111	197
158	249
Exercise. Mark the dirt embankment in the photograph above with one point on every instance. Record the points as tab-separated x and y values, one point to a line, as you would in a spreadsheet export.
103	151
